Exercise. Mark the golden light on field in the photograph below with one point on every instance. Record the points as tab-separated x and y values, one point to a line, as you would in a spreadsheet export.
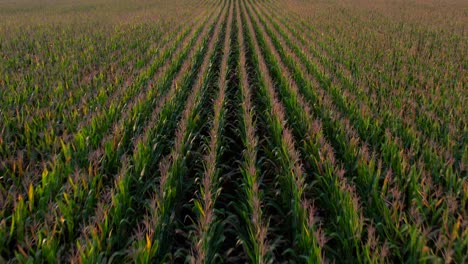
238	131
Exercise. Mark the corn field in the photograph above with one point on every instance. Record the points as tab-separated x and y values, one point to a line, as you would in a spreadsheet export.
233	131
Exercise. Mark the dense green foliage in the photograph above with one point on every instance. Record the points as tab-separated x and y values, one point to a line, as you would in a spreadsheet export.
233	131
